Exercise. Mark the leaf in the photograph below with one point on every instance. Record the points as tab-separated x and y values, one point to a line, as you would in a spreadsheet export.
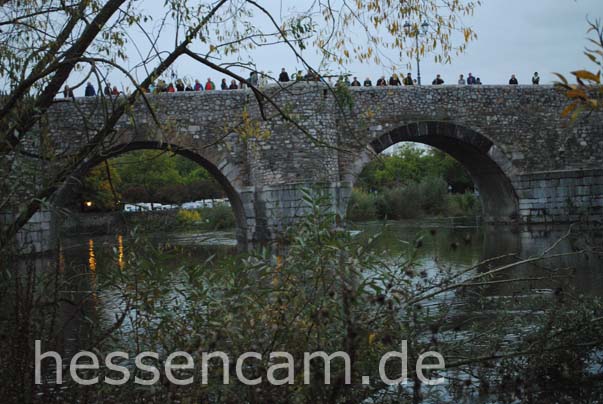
561	78
569	109
586	75
371	338
576	93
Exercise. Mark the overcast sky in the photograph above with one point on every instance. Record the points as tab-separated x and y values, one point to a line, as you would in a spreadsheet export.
514	36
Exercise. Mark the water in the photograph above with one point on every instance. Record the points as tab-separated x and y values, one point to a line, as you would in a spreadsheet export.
438	244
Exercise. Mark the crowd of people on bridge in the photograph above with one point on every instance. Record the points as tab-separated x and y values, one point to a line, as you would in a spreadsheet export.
257	79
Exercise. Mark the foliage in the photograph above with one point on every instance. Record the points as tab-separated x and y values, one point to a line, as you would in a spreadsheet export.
329	292
102	187
188	217
218	217
152	176
411	164
466	204
587	93
427	198
362	206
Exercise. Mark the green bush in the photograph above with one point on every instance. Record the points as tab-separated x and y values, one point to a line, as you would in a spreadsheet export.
400	203
362	206
432	192
415	200
219	217
467	204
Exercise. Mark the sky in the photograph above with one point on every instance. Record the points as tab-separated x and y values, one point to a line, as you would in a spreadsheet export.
514	37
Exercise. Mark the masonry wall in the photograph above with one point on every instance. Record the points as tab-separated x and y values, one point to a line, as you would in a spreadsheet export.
554	168
561	196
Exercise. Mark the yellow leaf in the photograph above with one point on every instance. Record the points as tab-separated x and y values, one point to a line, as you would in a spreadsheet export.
568	110
586	75
576	93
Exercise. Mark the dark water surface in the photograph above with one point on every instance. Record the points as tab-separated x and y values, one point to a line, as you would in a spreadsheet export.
438	243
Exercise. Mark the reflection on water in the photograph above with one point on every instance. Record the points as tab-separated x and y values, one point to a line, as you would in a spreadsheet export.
120	252
91	256
437	245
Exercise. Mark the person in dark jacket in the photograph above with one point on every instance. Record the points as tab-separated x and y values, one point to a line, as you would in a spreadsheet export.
394	80
513	80
408	80
471	80
478	81
381	82
368	82
355	83
223	85
536	79
437	81
67	92
284	76
179	85
107	90
233	85
90	91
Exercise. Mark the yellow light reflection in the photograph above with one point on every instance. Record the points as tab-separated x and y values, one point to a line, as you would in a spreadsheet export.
91	256
120	252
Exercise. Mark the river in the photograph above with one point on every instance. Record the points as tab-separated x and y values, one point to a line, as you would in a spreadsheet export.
441	243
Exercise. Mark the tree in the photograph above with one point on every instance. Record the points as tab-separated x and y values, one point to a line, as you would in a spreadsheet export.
44	43
587	94
101	187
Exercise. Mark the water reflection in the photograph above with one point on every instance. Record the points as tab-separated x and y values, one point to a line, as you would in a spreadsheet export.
120	251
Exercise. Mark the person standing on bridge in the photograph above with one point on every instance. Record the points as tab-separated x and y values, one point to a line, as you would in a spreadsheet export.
408	81
355	83
368	82
437	81
90	91
67	92
198	86
461	81
471	80
381	82
284	76
209	85
394	80
536	79
233	85
223	85
513	80
478	81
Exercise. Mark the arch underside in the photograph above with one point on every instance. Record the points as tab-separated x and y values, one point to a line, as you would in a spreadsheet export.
474	152
71	185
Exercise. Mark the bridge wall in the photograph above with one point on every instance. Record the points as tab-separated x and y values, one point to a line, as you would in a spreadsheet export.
529	164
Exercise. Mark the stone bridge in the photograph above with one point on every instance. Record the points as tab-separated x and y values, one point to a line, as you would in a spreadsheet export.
528	163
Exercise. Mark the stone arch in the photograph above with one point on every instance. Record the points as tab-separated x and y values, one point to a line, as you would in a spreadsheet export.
487	165
226	178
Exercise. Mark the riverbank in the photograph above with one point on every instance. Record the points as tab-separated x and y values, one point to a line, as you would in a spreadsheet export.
219	217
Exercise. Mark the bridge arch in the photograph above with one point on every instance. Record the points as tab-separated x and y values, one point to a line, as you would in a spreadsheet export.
224	177
487	165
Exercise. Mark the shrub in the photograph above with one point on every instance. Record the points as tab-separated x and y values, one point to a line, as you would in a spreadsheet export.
400	203
188	216
219	217
362	206
466	204
432	193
